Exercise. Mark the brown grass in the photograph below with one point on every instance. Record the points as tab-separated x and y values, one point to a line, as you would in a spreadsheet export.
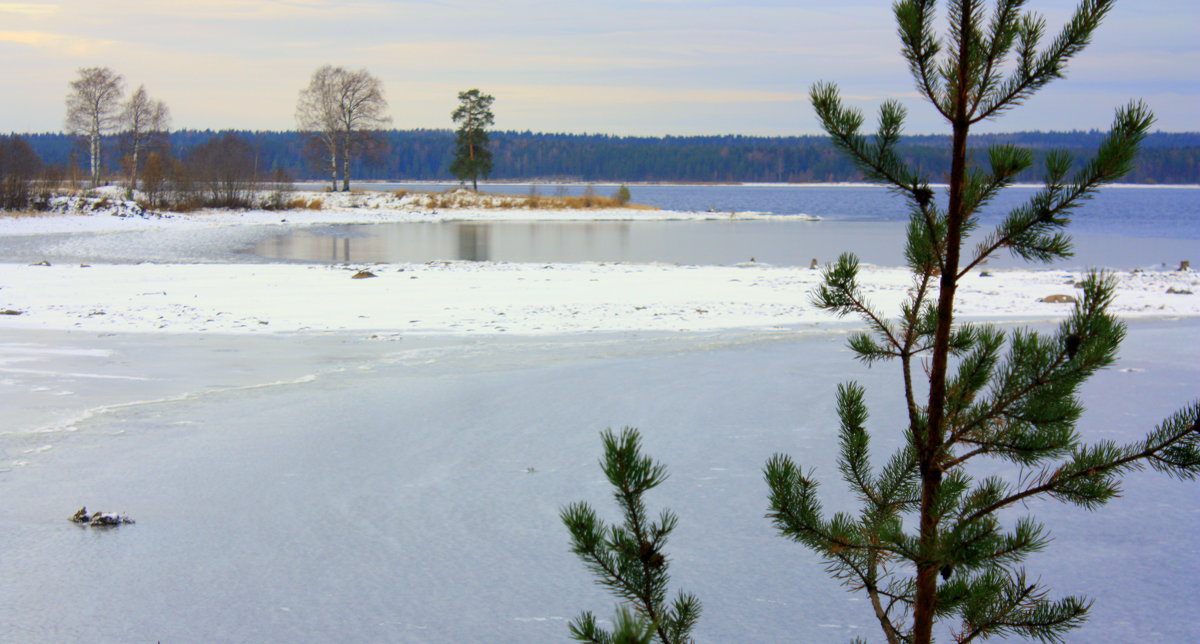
22	214
305	204
454	199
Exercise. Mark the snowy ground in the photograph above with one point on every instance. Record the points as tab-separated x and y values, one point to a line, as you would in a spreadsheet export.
488	297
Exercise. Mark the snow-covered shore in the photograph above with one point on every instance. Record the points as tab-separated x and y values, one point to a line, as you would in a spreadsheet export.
183	294
105	214
492	297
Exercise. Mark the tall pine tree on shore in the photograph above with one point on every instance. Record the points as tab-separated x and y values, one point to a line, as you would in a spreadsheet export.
934	541
472	156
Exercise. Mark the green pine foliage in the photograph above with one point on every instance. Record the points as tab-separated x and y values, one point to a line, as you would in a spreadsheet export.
472	156
933	541
622	195
628	558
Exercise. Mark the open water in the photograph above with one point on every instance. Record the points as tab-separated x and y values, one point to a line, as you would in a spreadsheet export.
1122	228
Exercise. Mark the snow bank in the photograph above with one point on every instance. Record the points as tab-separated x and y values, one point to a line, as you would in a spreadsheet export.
106	213
489	297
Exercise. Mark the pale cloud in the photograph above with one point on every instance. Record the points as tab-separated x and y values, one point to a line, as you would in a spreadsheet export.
29	9
60	44
586	95
478	56
256	9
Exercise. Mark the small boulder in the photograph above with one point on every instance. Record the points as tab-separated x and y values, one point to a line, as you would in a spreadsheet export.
1178	291
10	312
362	275
100	519
108	519
1058	298
1185	265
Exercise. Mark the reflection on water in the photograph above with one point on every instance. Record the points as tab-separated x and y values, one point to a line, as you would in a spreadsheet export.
473	243
672	242
781	243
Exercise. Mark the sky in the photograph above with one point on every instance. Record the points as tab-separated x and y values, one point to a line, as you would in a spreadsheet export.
624	67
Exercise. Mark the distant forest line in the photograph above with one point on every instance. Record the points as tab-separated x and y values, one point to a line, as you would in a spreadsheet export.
425	155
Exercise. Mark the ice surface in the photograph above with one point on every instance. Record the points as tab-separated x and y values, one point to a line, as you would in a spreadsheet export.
415	499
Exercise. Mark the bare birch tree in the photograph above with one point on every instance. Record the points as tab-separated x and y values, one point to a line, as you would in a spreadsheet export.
94	109
341	108
316	114
144	118
361	107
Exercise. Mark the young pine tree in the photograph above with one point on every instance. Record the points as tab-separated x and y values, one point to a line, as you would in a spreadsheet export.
930	544
628	559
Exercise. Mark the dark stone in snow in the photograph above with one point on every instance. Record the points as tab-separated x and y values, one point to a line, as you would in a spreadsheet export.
100	519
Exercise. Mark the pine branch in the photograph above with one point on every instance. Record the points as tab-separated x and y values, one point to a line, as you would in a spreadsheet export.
1026	230
914	19
839	293
627	559
1037	385
1090	478
1003	32
879	162
1034	73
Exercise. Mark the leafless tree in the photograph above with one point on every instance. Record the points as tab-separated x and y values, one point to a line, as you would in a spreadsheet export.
94	109
317	115
222	170
19	165
145	119
342	108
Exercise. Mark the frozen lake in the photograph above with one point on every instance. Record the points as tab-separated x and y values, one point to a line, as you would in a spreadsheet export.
408	490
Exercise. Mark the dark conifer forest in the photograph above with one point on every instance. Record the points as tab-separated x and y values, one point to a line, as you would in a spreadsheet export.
426	155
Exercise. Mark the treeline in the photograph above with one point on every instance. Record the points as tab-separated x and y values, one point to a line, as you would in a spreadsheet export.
1167	158
219	171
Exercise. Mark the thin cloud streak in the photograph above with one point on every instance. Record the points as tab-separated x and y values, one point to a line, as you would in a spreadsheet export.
27	9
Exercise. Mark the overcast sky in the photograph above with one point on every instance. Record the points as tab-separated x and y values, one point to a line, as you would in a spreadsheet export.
649	67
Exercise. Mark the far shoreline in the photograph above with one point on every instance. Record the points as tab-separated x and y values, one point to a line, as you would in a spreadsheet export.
698	184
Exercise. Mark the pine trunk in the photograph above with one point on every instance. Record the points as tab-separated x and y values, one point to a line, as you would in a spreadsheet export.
932	443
